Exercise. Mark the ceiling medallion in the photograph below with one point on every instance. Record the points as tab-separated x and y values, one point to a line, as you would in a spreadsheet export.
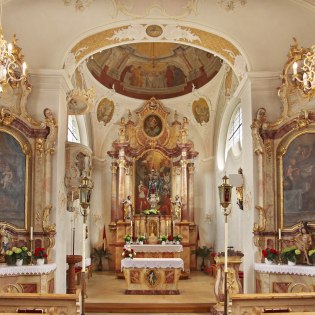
229	5
80	101
154	30
79	4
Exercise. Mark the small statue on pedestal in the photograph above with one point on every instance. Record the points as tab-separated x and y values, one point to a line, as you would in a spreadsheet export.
177	208
128	208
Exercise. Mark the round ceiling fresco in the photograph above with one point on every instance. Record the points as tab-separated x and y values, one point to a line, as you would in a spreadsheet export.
160	70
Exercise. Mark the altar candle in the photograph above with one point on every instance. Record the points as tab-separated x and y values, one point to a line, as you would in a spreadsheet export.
279	234
31	233
131	228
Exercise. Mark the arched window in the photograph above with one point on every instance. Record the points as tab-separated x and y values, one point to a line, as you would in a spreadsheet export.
73	129
234	135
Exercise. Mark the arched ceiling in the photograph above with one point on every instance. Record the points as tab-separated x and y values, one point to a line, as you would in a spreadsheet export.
162	70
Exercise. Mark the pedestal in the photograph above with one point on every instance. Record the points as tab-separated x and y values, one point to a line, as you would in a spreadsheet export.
234	285
72	260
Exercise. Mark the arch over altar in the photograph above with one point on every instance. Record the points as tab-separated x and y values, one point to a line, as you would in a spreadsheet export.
153	176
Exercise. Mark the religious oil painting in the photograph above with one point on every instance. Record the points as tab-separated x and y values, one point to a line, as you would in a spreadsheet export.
153	176
152	125
201	111
12	181
298	175
105	111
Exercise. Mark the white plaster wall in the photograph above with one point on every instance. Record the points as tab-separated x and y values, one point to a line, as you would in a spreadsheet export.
49	90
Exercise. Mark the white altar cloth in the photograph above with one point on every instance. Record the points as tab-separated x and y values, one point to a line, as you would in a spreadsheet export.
27	270
286	269
152	263
149	248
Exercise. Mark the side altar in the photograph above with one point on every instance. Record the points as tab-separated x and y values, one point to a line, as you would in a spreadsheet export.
153	182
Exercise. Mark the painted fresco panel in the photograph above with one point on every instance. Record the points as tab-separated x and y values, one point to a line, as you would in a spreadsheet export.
12	181
299	180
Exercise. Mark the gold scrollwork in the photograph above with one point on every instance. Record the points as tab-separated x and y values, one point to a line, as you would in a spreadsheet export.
6	117
47	227
261	225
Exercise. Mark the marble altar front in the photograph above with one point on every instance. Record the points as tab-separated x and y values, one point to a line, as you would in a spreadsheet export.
152	275
284	278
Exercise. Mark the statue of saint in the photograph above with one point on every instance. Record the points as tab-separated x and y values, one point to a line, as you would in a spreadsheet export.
177	208
304	241
128	209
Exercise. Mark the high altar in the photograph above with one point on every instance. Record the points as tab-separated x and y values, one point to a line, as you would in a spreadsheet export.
152	181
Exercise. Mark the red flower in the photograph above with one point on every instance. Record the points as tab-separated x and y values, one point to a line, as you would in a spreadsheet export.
270	253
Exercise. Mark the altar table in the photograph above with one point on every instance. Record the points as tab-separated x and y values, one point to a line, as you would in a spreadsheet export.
152	275
157	251
30	279
284	278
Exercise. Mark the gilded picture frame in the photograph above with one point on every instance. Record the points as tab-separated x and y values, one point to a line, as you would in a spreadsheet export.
15	180
296	178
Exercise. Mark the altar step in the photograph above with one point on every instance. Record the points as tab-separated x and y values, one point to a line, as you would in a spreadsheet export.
106	295
167	308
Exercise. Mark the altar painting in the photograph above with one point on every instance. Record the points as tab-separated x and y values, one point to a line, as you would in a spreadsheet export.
153	175
298	175
12	181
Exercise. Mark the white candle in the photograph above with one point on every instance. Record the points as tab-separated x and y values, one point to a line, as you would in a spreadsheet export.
131	228
295	66
279	234
31	233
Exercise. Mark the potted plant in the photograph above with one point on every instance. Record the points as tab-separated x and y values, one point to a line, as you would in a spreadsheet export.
98	254
127	238
128	253
18	256
151	211
141	239
178	238
270	255
203	252
163	239
311	254
290	254
39	255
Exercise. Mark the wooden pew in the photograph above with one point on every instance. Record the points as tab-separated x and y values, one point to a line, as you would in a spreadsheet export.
256	303
52	303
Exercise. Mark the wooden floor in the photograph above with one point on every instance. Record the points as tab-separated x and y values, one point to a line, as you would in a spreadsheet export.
106	295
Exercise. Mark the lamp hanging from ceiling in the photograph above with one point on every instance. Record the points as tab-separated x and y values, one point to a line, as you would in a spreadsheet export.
12	65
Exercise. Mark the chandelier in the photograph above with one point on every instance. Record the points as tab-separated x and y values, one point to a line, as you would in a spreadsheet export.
229	5
12	65
306	76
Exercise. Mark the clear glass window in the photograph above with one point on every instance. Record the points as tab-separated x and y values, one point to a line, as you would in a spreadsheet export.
73	129
235	129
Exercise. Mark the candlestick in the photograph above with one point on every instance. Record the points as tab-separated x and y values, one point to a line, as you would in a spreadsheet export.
279	234
31	234
131	228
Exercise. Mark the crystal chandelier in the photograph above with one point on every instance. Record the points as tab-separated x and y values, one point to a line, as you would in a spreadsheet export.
307	76
229	5
12	66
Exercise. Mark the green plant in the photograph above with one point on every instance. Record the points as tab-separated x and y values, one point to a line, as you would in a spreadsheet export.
311	254
127	238
39	253
151	211
17	253
290	253
98	254
178	238
203	252
270	254
141	238
163	238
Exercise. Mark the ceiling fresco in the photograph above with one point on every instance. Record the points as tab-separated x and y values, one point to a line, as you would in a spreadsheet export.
160	70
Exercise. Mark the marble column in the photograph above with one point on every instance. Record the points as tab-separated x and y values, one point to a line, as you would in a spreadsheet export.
191	172
114	213
121	185
183	163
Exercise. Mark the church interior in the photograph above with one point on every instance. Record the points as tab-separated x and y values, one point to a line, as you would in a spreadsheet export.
156	156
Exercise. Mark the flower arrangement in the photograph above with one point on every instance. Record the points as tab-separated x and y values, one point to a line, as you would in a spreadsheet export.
163	238
178	238
40	253
127	238
311	254
270	254
17	253
128	253
151	211
291	253
141	238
